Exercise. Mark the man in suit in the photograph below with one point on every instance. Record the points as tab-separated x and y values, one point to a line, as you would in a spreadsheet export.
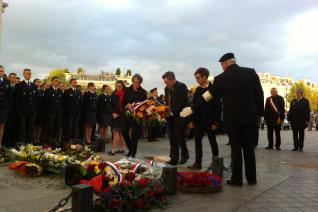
5	98
176	97
274	116
72	110
206	119
152	130
243	104
54	109
299	116
25	103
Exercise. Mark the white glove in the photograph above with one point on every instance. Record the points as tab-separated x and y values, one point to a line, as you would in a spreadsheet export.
187	111
207	96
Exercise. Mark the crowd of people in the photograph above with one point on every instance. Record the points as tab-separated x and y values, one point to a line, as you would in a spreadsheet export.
33	112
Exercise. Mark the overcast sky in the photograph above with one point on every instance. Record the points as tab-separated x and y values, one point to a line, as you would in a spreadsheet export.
152	36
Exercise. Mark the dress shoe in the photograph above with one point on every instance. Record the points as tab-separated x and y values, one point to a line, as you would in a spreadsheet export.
252	183
269	147
294	150
278	148
230	182
300	149
183	161
111	153
228	143
128	154
195	166
172	163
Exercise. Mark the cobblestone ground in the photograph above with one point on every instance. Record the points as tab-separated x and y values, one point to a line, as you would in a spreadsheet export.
287	181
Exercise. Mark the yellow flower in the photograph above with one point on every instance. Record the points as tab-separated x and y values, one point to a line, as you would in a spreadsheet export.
142	108
97	170
140	115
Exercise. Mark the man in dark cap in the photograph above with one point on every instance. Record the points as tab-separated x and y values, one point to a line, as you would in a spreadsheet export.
243	103
152	130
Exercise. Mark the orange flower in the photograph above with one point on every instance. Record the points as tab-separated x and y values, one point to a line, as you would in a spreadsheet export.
150	102
142	108
140	115
161	108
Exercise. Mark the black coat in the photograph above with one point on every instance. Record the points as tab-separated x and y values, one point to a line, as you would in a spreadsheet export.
5	94
270	115
40	101
242	96
115	104
209	112
72	100
104	104
25	98
132	96
90	101
299	113
178	96
53	101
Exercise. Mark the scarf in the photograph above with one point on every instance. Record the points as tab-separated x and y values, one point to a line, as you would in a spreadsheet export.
120	94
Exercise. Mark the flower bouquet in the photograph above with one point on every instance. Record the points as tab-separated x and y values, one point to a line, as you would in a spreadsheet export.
199	182
30	169
149	112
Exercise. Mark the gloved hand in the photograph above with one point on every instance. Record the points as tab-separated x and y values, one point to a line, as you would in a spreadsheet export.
187	111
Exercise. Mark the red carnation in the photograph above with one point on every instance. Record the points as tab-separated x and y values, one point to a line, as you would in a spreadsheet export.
91	167
114	203
160	189
130	176
142	182
102	166
139	203
150	193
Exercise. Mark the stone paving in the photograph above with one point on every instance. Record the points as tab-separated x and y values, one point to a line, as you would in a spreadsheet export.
287	181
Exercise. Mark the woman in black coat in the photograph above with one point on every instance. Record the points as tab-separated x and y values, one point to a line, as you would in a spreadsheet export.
89	111
104	112
117	122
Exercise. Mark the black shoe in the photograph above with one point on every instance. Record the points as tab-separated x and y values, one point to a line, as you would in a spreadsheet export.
195	166
228	143
183	161
278	148
230	182
300	149
120	152
269	147
252	183
172	163
111	153
294	150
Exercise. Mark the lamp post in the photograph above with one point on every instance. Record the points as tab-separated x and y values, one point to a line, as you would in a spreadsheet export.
3	5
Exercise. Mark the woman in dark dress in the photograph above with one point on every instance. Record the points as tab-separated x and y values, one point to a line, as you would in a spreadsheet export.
117	122
90	100
104	112
40	114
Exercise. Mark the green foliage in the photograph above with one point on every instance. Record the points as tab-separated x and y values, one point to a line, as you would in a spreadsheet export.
309	93
118	72
60	73
128	73
80	70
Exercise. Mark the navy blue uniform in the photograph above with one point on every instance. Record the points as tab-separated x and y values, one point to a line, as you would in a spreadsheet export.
90	101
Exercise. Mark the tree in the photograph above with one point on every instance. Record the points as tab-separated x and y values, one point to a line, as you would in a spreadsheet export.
66	70
309	93
80	70
60	73
128	73
118	72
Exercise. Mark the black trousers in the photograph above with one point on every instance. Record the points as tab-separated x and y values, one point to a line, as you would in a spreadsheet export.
243	138
131	134
199	131
72	127
298	136
26	128
270	131
177	137
54	126
152	132
10	136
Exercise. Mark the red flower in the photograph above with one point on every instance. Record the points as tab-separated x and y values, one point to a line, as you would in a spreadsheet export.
160	189
106	189
142	182
114	203
130	176
91	167
102	166
139	203
150	193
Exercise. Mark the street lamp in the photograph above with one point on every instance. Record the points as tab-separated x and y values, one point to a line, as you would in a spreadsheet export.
3	5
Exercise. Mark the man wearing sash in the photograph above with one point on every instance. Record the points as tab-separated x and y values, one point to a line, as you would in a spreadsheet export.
274	115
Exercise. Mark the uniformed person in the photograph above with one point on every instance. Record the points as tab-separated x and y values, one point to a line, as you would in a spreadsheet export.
40	114
25	103
5	98
90	100
53	101
72	110
243	104
104	112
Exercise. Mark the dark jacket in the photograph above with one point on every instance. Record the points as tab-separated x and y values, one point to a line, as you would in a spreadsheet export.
25	98
242	96
115	104
299	113
53	99
178	96
270	115
5	94
40	101
90	101
104	104
209	112
72	100
132	96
